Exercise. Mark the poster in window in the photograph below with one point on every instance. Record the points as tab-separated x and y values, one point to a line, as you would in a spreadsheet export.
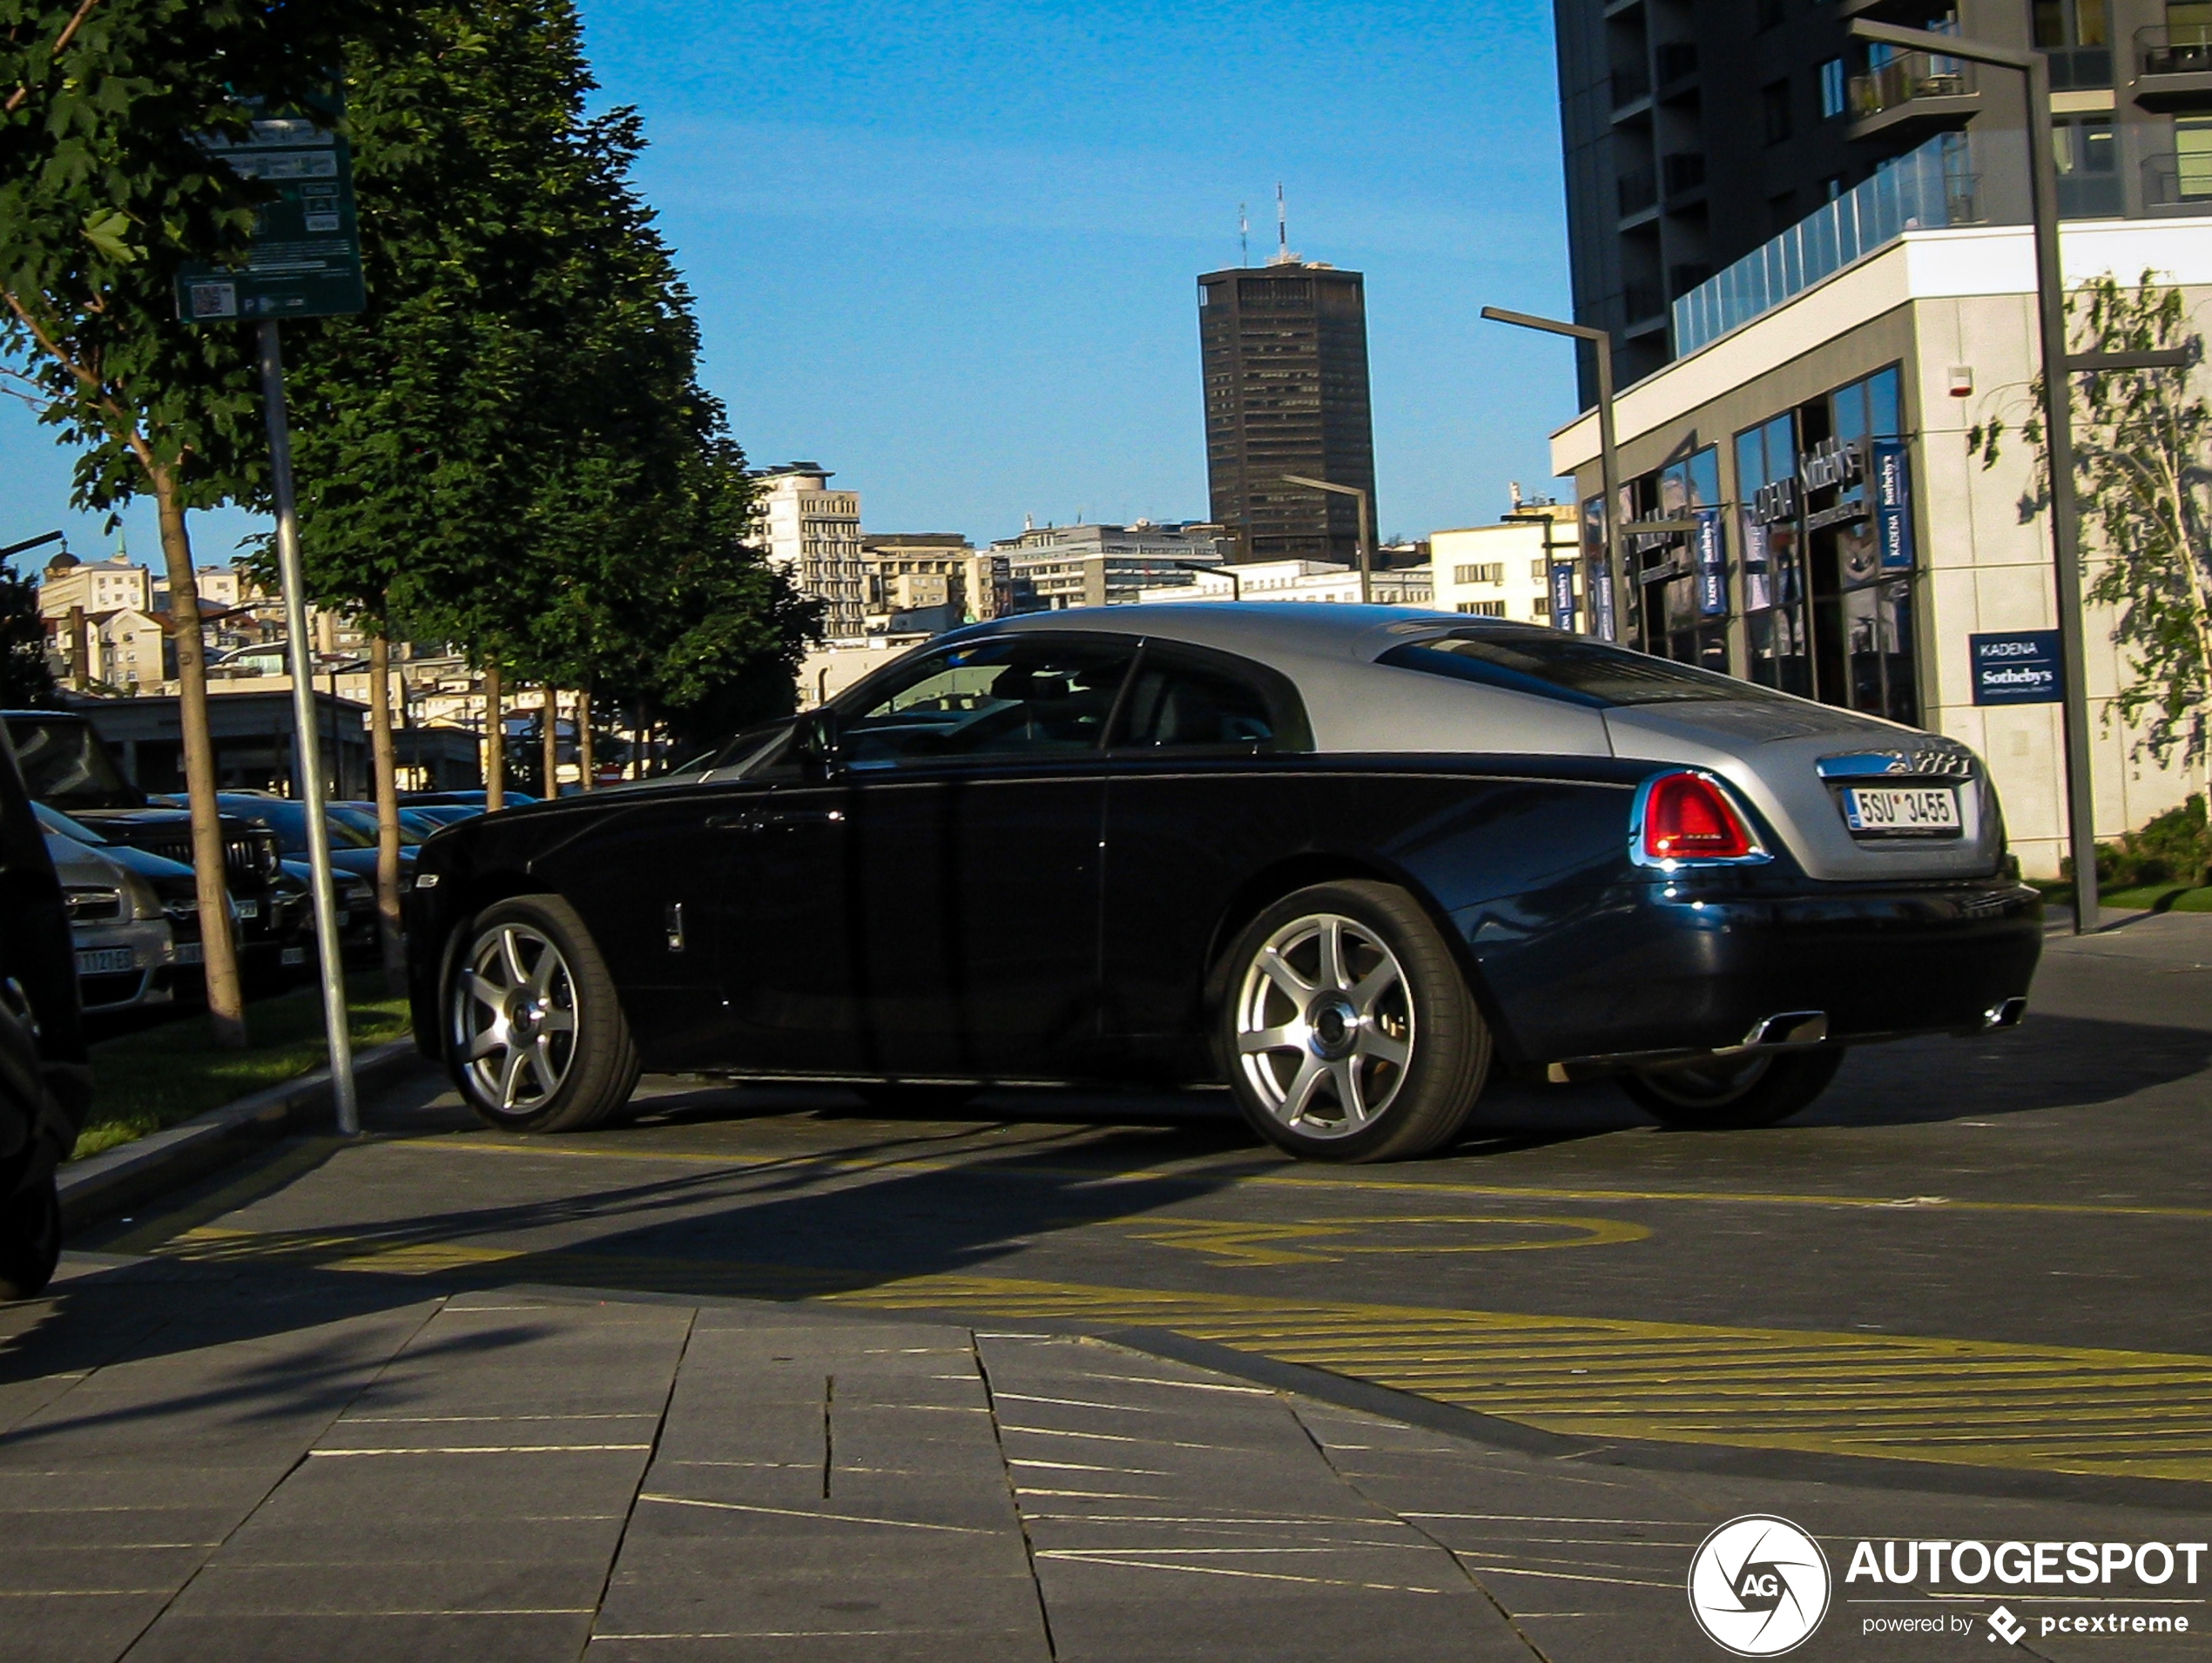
1892	505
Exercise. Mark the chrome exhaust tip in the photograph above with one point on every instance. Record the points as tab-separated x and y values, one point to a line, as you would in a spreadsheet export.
2005	1014
1789	1027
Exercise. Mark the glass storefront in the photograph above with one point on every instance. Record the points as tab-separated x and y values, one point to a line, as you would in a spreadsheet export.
1823	547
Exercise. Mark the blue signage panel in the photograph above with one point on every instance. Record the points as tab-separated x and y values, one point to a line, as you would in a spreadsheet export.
1597	584
2018	668
1892	505
1562	576
1709	553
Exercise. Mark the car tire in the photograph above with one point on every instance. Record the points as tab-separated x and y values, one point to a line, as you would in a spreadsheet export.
535	1033
31	1239
1347	1029
1735	1094
905	1098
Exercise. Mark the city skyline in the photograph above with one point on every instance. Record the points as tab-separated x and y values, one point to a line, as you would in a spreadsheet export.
898	141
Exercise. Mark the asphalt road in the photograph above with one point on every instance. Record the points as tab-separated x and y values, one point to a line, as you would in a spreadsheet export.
1973	1276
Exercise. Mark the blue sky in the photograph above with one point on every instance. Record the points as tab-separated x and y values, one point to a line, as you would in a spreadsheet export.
948	249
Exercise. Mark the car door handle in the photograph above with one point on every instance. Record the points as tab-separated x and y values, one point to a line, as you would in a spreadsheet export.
795	817
746	821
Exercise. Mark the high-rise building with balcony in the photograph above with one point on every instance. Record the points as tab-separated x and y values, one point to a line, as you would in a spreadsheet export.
1284	351
1699	133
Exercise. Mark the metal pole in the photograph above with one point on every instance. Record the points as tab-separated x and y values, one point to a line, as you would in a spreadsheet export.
2057	417
1367	551
1608	457
309	752
2066	525
1609	467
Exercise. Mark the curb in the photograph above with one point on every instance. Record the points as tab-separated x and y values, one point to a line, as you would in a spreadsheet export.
104	1185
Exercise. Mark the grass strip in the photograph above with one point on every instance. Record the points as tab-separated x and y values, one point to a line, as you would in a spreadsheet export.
162	1075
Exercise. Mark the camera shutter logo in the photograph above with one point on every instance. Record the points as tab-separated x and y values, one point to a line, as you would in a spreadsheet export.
1758	1586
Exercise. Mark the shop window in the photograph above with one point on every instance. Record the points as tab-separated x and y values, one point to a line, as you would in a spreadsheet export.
1768	541
1682	610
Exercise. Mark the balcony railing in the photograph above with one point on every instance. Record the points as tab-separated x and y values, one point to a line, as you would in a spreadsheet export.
1639	190
2173	49
1908	77
2178	182
1925	189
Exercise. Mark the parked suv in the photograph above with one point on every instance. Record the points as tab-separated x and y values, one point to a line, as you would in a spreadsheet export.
64	766
45	1086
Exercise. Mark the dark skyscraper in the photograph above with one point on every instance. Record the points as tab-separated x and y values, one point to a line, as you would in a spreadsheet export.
1284	350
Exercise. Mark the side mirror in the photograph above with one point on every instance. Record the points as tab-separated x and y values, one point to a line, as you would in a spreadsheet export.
814	740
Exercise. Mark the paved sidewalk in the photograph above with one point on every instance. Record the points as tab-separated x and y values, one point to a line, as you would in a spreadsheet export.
242	1465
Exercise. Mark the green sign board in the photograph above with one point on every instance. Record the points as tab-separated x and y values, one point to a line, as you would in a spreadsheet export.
306	260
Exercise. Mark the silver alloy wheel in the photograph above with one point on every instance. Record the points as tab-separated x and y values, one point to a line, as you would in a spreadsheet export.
514	1017
1325	1025
1707	1085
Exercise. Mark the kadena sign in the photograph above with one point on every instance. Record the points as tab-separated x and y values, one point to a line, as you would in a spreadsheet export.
2020	667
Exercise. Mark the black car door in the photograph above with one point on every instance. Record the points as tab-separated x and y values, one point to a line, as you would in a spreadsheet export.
1198	802
976	787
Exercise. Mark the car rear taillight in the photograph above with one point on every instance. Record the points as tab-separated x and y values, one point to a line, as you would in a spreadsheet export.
1687	816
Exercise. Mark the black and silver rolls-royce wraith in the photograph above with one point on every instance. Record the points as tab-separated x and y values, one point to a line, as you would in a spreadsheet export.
1346	859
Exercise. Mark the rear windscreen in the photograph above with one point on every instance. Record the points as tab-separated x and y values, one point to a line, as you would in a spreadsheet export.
64	763
1572	668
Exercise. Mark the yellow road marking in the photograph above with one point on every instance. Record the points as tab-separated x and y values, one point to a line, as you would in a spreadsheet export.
1228	1241
469	1143
1970	1402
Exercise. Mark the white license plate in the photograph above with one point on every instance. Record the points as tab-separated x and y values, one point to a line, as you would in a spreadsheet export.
249	909
105	961
293	956
1901	808
188	953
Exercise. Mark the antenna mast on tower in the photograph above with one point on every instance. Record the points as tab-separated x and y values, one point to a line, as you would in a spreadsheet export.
1282	254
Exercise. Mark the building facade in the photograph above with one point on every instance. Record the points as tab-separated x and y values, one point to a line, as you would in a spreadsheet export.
1283	348
814	533
1696	129
1049	568
1525	567
1849	546
1298	580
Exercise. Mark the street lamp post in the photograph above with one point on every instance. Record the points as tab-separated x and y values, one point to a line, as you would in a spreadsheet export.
1608	457
2058	366
1366	538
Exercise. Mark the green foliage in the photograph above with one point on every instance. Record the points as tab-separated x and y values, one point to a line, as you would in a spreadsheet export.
105	196
26	680
2175	848
2142	445
510	449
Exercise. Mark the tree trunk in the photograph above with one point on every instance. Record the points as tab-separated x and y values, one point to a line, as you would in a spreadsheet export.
549	736
586	764
495	742
219	948
384	755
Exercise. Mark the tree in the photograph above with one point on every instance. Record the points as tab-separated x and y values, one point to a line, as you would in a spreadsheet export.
2143	472
105	196
510	450
26	679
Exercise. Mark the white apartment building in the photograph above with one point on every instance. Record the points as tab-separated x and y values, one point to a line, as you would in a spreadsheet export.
814	533
1506	571
95	586
1297	580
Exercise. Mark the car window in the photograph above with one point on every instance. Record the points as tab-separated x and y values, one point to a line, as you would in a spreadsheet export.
1572	668
64	763
1185	707
1006	698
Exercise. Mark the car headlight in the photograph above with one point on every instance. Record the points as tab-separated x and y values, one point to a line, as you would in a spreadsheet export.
93	904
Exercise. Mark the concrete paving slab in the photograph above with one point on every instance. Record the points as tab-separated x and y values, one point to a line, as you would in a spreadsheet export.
77	1628
360	1638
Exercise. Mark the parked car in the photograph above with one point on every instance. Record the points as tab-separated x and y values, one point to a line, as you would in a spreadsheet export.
356	899
459	799
126	953
66	767
1346	859
45	1086
428	818
353	846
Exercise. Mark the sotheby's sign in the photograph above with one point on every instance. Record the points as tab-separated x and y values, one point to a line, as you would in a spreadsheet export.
2020	667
